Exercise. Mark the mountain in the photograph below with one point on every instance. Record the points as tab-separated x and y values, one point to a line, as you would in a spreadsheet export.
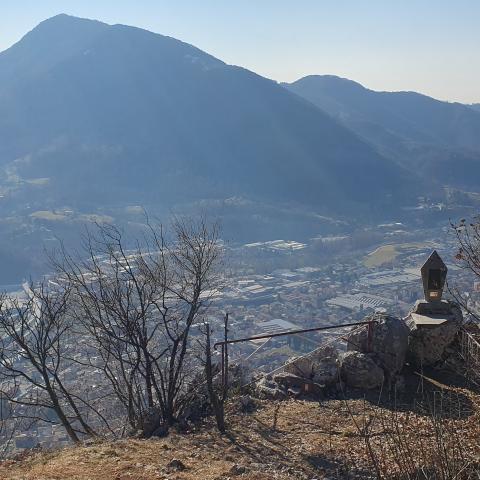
107	113
437	139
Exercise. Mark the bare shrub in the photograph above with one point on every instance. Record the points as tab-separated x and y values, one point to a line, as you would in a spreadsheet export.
403	445
104	346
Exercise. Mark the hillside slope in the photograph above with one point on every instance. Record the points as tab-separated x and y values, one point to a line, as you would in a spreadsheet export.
437	139
282	440
115	113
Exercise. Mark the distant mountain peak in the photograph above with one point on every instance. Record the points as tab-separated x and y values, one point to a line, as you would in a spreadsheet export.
49	43
108	103
63	21
65	17
422	133
327	81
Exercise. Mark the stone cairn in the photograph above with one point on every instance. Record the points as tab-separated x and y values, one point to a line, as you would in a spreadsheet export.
376	356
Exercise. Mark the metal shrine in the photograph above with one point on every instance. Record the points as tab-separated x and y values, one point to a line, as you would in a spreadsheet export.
432	311
434	274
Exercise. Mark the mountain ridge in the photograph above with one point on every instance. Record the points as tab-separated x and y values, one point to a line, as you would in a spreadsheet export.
419	132
167	105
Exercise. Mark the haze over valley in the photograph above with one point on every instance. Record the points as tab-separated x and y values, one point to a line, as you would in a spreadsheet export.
239	240
104	122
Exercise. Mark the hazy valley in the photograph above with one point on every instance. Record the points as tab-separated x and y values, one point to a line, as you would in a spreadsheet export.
210	273
128	121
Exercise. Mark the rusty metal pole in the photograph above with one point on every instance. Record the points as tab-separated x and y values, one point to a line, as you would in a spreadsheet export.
225	363
294	332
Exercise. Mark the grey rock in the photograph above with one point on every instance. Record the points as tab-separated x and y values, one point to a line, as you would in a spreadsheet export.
358	370
268	393
320	366
301	367
389	342
429	345
294	391
325	371
286	379
176	465
237	470
247	404
267	381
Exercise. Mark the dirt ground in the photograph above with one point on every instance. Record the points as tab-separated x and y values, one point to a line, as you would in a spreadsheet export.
294	439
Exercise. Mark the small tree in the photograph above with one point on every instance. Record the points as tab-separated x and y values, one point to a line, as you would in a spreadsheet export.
137	305
34	337
467	257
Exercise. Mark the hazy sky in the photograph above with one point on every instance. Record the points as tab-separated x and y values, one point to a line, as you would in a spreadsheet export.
431	46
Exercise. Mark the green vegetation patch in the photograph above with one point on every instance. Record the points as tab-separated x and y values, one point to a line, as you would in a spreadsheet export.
383	254
48	215
388	253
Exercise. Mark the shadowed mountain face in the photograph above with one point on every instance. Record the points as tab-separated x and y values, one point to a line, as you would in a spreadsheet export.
111	114
437	139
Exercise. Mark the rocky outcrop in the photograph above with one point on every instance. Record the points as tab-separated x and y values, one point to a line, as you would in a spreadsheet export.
429	342
424	338
176	465
326	371
289	380
246	404
308	374
267	389
358	370
389	342
294	385
321	366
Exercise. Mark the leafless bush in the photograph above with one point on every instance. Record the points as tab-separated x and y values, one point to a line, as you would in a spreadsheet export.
137	307
33	358
405	446
104	346
467	258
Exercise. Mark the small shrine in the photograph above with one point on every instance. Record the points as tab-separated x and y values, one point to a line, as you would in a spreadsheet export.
433	321
432	310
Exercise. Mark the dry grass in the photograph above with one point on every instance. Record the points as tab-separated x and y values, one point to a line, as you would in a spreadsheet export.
281	440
